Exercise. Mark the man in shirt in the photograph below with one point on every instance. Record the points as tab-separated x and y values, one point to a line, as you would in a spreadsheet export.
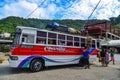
85	55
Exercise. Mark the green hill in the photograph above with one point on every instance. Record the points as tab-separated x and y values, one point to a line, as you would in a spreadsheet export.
9	24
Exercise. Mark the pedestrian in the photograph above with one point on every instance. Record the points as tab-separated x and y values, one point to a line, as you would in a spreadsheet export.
112	53
107	58
85	56
98	55
102	55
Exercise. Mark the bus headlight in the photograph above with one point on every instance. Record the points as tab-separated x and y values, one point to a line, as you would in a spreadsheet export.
14	57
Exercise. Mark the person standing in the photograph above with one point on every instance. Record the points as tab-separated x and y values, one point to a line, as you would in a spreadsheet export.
102	55
85	56
98	55
107	58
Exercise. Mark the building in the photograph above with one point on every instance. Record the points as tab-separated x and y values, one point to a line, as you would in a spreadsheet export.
103	30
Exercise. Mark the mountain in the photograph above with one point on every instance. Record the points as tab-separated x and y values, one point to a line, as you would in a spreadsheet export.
115	21
9	24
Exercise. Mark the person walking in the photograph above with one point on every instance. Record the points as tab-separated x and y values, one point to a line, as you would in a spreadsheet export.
112	53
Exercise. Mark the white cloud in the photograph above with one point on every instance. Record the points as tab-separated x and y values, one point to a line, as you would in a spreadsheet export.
79	9
46	13
20	8
82	9
109	9
24	8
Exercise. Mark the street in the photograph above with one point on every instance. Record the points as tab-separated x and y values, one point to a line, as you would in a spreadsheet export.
66	72
71	72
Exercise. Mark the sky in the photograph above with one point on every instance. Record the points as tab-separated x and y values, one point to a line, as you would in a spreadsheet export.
60	9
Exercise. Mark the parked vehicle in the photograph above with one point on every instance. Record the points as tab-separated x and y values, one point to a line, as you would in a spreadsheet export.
35	48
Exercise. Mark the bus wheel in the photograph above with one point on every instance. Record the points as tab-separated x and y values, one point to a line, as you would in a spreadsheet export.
36	65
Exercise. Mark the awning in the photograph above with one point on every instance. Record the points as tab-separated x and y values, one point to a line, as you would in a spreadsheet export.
111	43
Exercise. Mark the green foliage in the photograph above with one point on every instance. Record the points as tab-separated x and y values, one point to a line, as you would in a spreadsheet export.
9	24
118	26
115	20
4	48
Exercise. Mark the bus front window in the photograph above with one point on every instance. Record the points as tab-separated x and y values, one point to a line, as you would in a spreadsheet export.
16	40
17	37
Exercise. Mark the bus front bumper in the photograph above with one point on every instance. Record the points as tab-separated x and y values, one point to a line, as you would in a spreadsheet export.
13	61
19	61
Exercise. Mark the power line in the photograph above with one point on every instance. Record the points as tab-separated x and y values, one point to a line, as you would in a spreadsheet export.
90	16
94	9
92	13
35	9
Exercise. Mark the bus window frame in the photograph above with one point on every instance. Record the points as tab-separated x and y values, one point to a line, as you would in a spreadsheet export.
83	43
52	40
75	41
27	38
41	39
69	41
62	41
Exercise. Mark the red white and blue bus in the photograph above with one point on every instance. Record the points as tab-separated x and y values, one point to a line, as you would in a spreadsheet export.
35	48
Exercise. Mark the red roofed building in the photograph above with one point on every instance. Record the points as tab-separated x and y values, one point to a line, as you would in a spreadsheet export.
103	30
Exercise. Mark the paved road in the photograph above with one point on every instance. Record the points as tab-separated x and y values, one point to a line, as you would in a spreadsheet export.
71	72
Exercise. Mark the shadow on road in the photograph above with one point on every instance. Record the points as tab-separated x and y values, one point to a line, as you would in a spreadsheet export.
75	66
6	70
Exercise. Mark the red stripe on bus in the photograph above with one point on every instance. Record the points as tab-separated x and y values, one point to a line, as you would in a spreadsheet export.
47	50
43	50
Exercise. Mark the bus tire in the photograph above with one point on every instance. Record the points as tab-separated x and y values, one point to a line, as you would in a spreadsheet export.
36	65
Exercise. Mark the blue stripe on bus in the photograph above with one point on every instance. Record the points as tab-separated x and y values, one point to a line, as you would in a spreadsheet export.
27	61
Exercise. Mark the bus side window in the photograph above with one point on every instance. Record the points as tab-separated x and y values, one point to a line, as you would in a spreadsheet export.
27	38
61	39
41	37
41	41
23	39
76	41
61	43
98	44
83	42
50	41
52	38
30	39
69	41
93	43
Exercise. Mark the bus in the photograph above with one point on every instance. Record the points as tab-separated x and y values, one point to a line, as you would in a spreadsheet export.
36	48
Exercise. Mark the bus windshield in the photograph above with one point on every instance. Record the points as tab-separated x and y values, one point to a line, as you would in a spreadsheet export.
17	38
